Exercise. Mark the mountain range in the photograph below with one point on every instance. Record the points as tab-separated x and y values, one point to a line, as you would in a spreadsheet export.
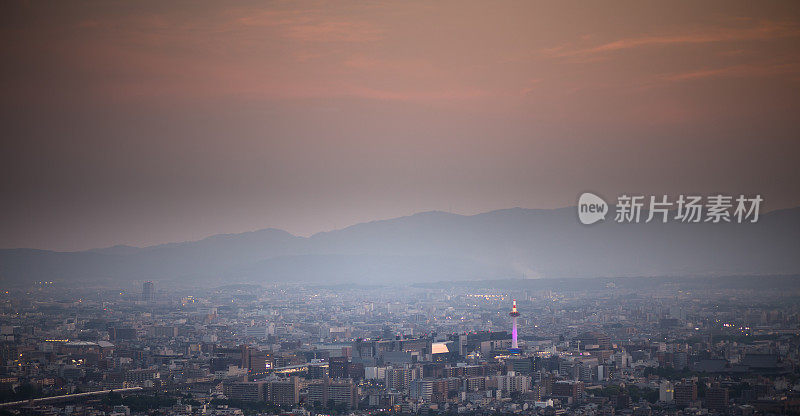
437	246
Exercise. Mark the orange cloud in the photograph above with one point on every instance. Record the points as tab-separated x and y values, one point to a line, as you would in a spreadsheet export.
334	31
310	25
763	30
737	71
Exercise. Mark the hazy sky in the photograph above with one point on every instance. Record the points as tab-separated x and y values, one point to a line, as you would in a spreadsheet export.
147	122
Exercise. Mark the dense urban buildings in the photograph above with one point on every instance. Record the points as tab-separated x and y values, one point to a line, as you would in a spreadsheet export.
598	346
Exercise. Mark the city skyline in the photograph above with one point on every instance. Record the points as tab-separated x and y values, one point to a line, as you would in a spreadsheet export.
654	346
399	208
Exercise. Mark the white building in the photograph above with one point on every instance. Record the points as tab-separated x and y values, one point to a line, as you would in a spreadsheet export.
666	392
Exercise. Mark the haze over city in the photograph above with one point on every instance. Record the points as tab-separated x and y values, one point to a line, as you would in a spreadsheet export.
386	208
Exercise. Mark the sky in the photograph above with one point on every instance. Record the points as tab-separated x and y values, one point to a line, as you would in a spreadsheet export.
147	122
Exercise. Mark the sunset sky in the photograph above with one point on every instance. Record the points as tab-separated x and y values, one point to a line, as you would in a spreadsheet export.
147	122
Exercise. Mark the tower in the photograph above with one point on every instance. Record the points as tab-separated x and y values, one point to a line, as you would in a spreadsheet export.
514	315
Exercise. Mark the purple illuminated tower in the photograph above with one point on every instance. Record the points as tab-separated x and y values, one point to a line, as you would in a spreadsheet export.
514	314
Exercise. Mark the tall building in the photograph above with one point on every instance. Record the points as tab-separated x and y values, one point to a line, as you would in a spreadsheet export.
538	391
246	391
126	333
421	389
513	382
329	392
355	371
284	392
573	389
666	392
685	393
399	379
717	399
337	367
592	341
148	291
514	315
316	371
164	331
254	360
520	365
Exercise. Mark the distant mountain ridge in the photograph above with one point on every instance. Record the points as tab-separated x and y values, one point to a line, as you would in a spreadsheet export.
436	246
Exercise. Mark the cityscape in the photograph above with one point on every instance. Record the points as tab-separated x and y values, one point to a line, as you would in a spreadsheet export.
399	208
530	347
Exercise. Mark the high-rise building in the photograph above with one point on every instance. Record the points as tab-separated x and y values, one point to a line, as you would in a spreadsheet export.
125	333
337	367
666	392
621	401
514	315
592	341
520	365
318	370
538	391
717	399
685	393
399	379
164	331
513	382
329	392
245	391
254	360
148	291
569	388
355	371
284	392
421	389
